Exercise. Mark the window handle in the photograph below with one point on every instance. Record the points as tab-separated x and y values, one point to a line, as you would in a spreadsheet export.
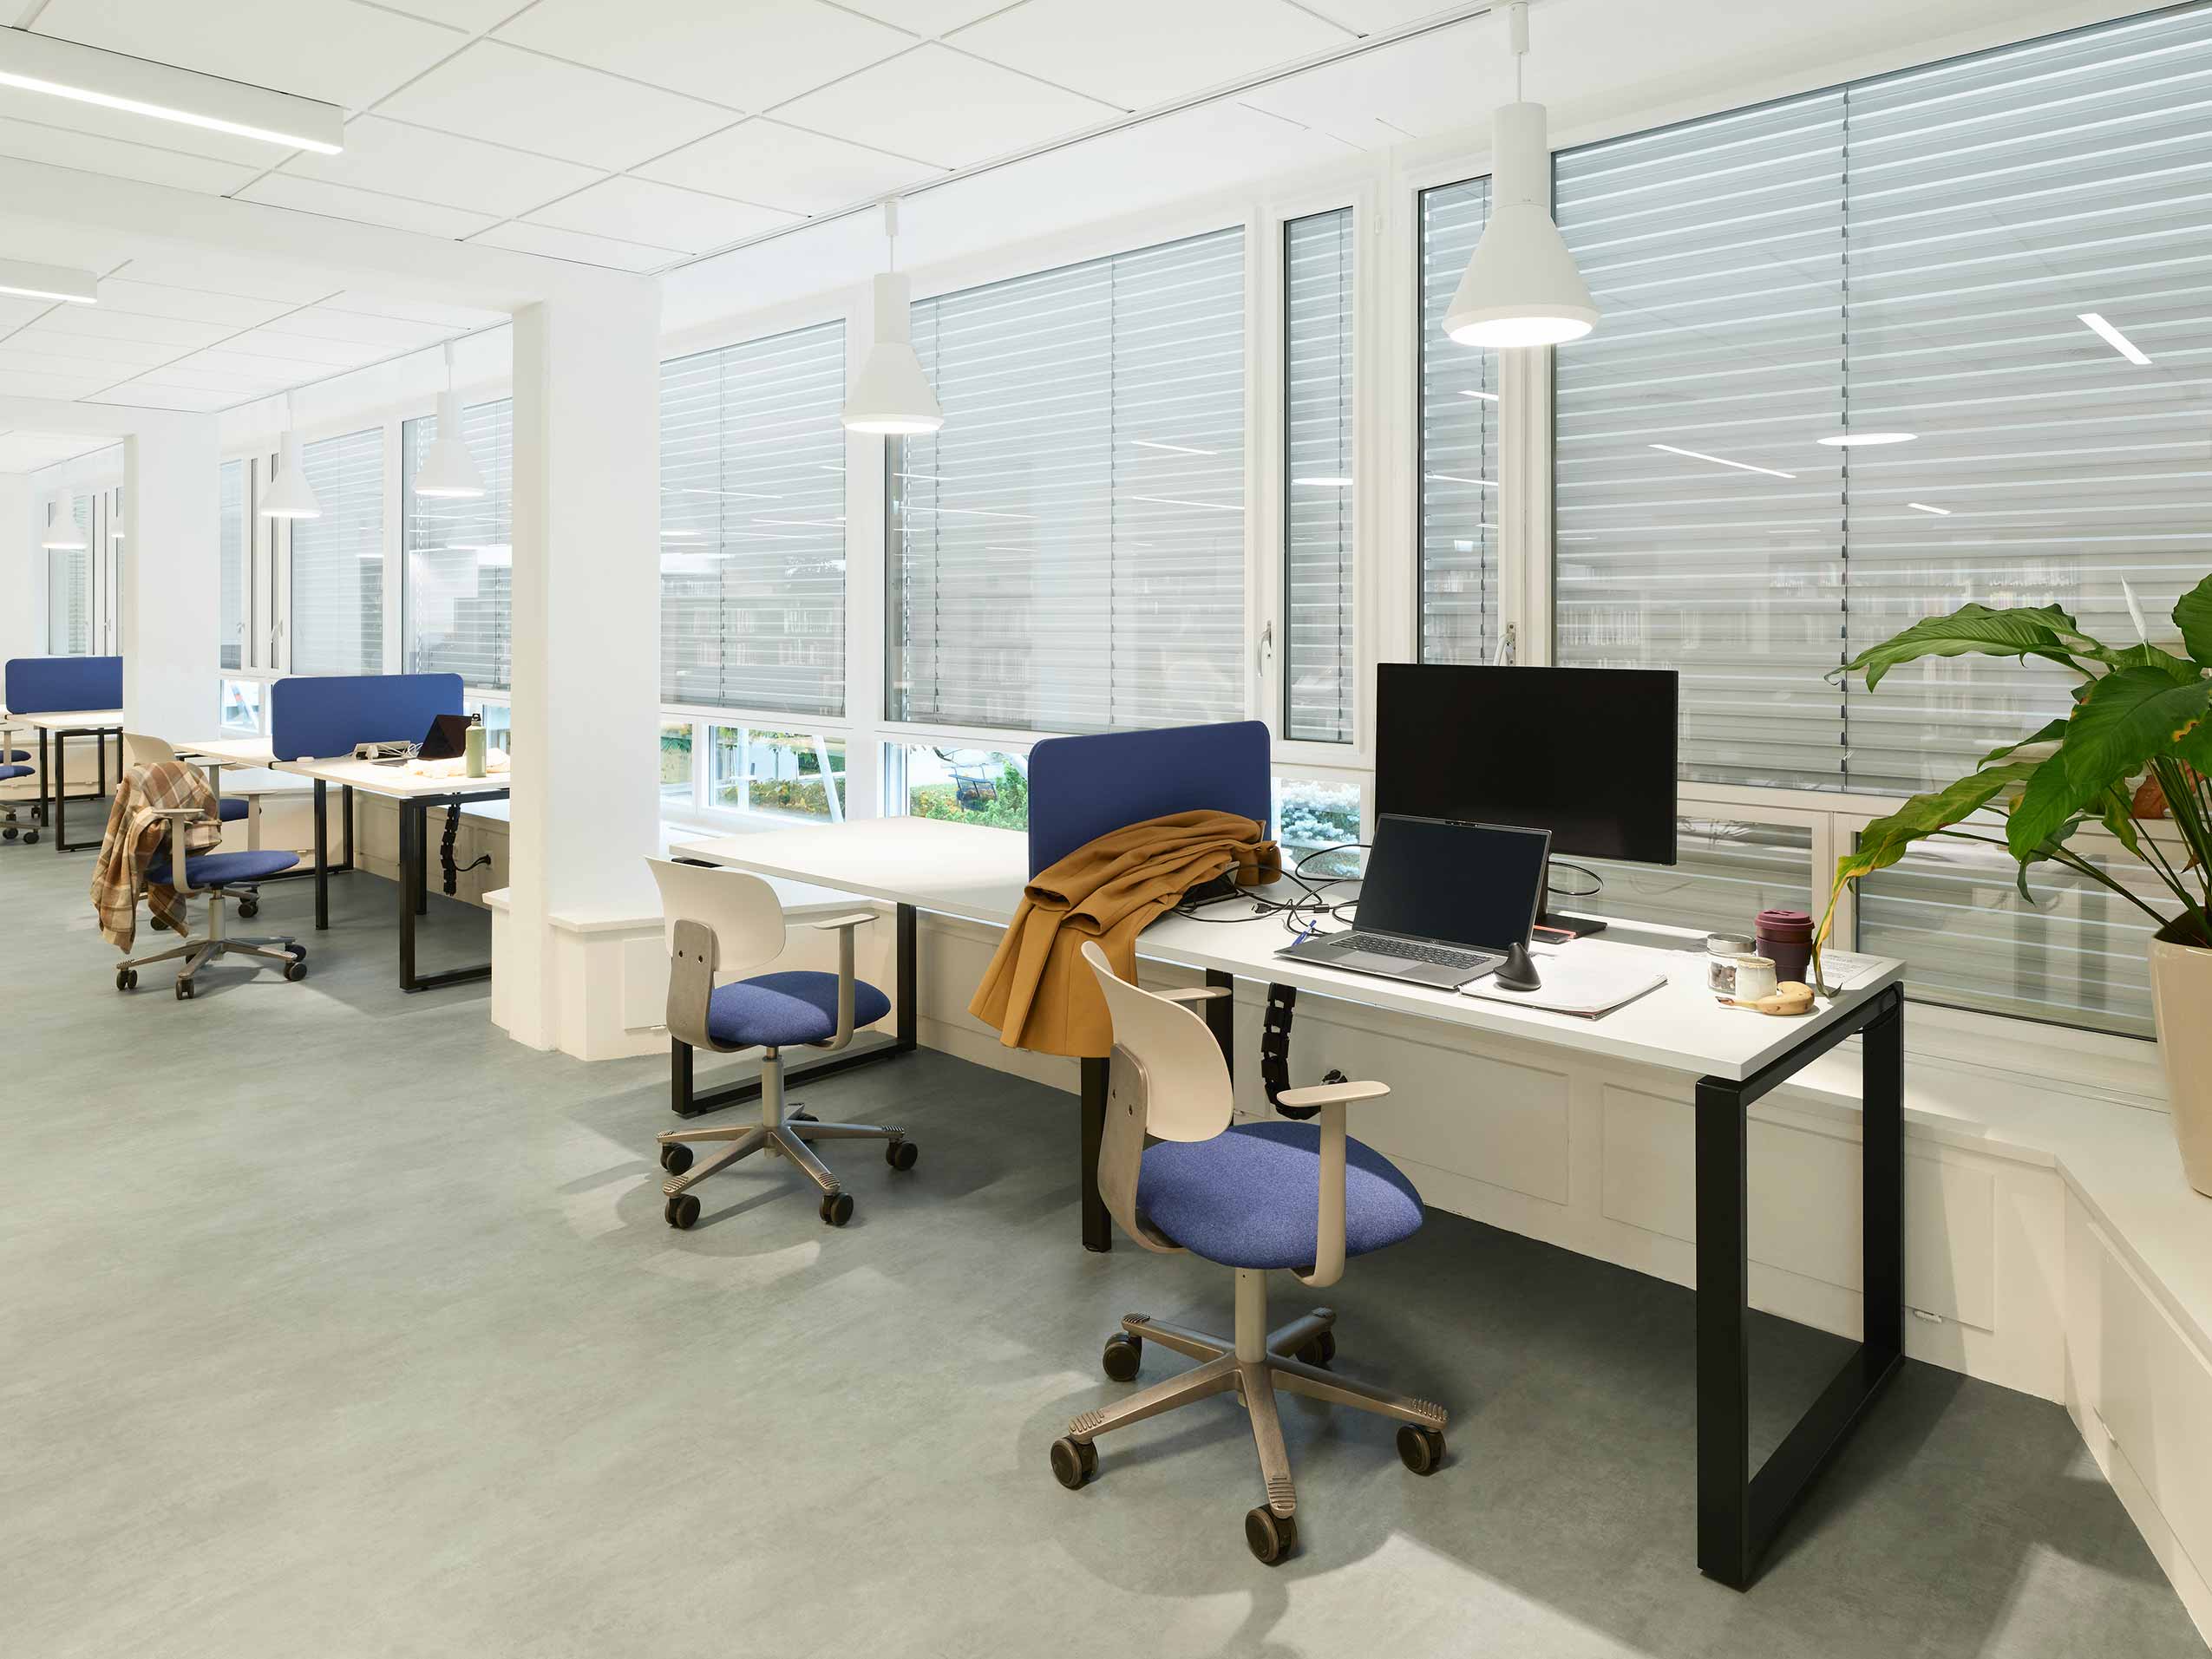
1266	650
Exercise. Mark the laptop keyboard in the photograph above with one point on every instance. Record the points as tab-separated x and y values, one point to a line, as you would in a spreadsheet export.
1443	955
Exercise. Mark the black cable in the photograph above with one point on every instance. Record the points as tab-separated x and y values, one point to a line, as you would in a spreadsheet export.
1597	882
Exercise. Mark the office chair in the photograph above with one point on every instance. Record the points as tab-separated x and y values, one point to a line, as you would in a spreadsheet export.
8	827
139	750
220	875
724	921
1253	1196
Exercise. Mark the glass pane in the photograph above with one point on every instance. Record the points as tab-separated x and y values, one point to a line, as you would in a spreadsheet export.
337	559
968	786
1311	816
231	554
676	764
2079	955
779	774
499	727
1459	443
241	714
1320	655
460	555
1725	875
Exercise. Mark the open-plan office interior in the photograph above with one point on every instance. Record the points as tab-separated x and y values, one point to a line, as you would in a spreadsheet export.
1009	826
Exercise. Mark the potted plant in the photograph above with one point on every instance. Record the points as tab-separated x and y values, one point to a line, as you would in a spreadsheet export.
2133	756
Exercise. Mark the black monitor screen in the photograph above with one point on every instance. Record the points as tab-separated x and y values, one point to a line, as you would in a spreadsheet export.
1464	884
1587	754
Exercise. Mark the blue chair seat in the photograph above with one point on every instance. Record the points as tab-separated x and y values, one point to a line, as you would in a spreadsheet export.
233	809
222	869
780	1011
14	755
1251	1196
8	772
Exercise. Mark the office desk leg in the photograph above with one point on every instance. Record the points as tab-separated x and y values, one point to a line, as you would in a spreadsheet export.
61	776
686	1101
321	854
410	879
1097	1226
1739	1512
1222	1016
45	783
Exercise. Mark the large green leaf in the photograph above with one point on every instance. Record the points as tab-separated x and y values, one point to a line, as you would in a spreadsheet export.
1884	841
2045	812
2128	716
2177	668
2050	733
2193	616
2039	631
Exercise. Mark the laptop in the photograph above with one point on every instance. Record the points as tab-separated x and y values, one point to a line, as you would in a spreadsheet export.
1439	904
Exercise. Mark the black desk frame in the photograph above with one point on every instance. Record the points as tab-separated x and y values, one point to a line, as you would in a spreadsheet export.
54	784
686	1101
413	873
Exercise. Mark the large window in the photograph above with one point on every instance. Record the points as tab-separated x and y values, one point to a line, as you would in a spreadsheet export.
1459	476
1320	659
337	559
1068	554
230	552
460	555
68	584
752	480
1913	255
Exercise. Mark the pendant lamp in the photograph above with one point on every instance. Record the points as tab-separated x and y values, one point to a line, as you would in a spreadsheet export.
289	496
892	395
449	472
1521	288
62	535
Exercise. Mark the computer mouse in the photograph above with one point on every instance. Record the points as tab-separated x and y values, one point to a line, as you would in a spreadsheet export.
1517	971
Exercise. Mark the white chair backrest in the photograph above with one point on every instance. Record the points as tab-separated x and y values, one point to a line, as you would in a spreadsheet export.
1186	1093
144	751
742	908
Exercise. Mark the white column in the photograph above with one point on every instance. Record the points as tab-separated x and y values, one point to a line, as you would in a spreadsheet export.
23	620
586	650
172	607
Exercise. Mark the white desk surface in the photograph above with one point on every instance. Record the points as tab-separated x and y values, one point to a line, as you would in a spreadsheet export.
395	782
231	751
966	870
71	720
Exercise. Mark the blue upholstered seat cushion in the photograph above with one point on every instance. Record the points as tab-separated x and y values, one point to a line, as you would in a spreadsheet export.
777	1010
232	809
220	869
14	755
8	771
1250	1196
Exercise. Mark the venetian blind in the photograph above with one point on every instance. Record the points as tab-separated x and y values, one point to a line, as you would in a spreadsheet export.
1067	554
337	559
1457	486
752	478
1319	658
459	554
230	552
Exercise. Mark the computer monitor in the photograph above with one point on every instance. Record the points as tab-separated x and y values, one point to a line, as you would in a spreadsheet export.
1588	754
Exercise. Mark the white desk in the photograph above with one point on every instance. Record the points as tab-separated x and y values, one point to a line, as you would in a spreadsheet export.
415	796
54	732
1736	1056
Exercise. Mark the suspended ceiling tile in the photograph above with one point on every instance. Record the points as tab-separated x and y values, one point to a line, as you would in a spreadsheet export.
504	94
13	384
215	272
333	50
474	15
784	166
1416	88
26	452
14	313
1379	16
320	322
137	394
307	350
461	318
1138	53
749	56
365	207
127	326
399	159
204	380
637	210
928	16
187	305
45	357
941	106
127	356
90	152
243	359
576	246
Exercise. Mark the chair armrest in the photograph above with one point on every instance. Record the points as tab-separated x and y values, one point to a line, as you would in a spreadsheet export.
1195	993
851	919
180	819
1331	1095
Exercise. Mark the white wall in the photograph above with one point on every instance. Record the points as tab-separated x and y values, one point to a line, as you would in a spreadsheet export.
23	625
171	608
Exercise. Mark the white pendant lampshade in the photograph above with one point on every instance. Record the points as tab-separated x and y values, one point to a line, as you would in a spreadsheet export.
449	472
892	395
288	495
1521	287
62	535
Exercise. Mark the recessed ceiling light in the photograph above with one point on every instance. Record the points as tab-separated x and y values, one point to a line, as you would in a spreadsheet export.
2113	338
1722	460
1922	506
48	282
1855	439
86	75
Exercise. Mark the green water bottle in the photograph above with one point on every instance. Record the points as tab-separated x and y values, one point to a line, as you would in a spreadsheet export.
472	746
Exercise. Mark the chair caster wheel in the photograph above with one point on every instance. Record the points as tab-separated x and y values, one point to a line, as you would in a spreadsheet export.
675	1157
900	1154
1073	1462
7	834
1271	1537
30	838
297	952
1421	1450
1319	1349
295	969
681	1211
837	1208
184	990
1124	1353
249	908
125	979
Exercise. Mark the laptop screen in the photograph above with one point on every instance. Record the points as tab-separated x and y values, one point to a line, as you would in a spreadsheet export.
1475	885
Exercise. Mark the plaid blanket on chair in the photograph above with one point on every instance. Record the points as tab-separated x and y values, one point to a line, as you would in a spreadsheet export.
134	836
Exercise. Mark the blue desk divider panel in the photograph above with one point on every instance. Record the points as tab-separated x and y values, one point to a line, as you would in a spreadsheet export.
321	717
52	685
1081	788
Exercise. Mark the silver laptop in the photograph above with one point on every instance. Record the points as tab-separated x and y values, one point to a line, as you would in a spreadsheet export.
1439	904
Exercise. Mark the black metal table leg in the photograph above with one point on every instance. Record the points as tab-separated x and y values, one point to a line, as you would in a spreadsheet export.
414	838
61	792
1222	1016
1740	1511
321	854
908	987
345	807
45	782
1097	1224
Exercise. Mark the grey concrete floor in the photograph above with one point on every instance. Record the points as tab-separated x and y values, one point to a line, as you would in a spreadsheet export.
333	1322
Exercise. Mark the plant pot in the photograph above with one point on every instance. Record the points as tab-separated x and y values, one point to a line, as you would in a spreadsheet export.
2181	995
